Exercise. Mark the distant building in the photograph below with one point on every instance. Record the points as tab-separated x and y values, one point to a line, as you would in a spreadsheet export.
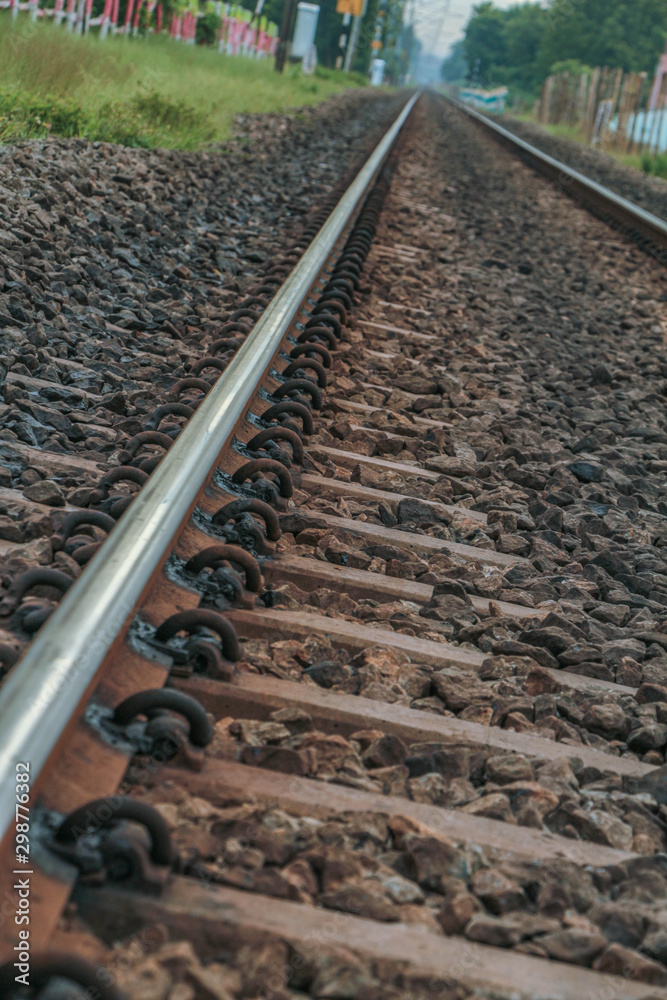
485	100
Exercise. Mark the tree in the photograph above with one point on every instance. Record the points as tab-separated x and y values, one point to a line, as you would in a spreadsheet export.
363	52
521	45
484	44
629	34
394	50
502	46
524	31
454	67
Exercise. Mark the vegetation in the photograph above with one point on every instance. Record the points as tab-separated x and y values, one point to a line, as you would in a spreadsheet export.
141	92
520	46
629	34
503	45
656	165
455	68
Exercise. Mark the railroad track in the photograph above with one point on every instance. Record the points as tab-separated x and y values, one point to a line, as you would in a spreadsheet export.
644	227
310	721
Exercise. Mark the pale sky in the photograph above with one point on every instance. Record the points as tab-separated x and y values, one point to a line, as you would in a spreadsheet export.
440	22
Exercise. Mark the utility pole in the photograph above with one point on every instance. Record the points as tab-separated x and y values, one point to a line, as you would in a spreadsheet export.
286	29
343	40
409	36
352	41
357	10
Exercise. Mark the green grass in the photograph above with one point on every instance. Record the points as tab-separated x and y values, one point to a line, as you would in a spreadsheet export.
141	91
655	164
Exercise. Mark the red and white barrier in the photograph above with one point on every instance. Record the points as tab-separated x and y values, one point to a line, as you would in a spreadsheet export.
237	37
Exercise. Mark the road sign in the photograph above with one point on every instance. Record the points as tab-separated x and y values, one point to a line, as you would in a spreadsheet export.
353	7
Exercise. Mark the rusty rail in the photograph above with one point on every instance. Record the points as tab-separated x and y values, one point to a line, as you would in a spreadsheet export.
51	682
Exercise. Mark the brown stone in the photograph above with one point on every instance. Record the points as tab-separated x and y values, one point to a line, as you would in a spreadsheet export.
212	982
608	720
620	923
365	900
146	980
385	752
508	768
392	780
518	722
520	793
553	900
647	738
401	890
495	805
628	672
433	859
415	913
275	759
329	972
481	714
626	962
263	969
301	876
46	492
577	947
329	754
655	784
177	956
337	867
10	529
184	991
456	912
558	777
256	734
506	931
540	681
648	833
459	792
499	893
364	737
428	788
296	720
449	465
458	688
601	827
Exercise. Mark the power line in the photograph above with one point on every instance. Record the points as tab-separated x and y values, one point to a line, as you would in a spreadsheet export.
432	21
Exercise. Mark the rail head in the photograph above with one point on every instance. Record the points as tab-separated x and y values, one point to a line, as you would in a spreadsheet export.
648	225
60	667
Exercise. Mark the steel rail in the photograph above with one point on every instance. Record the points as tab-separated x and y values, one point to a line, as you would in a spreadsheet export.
649	227
46	687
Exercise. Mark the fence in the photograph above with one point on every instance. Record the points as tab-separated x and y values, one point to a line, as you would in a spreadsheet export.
612	109
240	34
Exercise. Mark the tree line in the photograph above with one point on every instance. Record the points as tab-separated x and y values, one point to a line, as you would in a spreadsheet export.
522	45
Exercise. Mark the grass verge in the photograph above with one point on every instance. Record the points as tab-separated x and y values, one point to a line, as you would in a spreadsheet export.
141	91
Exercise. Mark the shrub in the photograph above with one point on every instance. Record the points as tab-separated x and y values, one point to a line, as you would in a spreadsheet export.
646	163
208	27
656	165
